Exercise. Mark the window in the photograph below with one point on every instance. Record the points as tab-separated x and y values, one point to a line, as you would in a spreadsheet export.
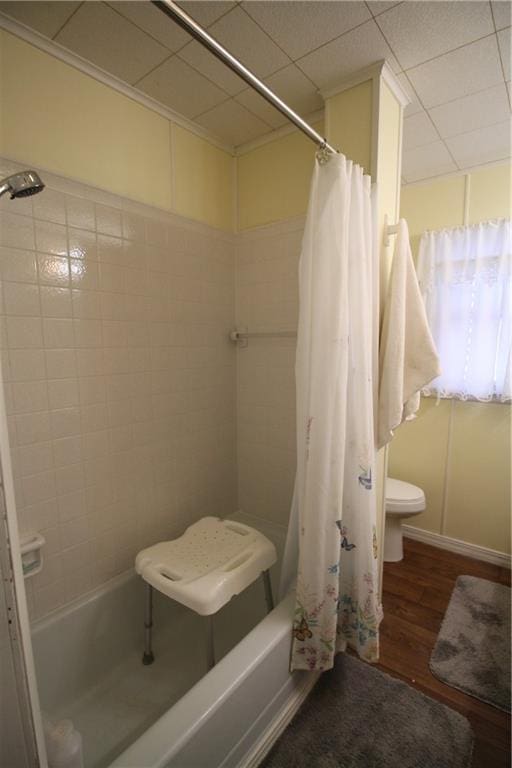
465	276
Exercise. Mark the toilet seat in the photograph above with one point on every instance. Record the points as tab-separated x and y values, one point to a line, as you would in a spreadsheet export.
403	498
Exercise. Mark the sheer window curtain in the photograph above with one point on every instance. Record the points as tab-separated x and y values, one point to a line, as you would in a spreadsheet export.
465	276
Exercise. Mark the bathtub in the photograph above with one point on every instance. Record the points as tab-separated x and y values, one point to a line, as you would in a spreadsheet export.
173	713
233	715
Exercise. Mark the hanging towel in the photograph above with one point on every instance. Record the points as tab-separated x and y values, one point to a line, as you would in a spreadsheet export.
408	358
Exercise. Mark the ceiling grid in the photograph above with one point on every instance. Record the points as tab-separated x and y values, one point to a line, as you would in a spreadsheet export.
452	57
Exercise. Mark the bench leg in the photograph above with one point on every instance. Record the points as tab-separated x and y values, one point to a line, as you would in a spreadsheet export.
148	657
268	590
210	647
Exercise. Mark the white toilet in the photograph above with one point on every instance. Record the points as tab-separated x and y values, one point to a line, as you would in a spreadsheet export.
403	500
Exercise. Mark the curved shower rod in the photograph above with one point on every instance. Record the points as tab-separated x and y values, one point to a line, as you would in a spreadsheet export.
191	26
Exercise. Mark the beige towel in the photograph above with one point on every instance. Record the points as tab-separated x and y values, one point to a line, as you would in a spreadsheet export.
408	359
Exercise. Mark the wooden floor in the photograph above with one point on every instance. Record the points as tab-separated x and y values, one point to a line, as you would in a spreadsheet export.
416	594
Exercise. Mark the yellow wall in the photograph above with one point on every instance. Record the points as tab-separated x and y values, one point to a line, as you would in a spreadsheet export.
274	179
459	453
85	130
348	123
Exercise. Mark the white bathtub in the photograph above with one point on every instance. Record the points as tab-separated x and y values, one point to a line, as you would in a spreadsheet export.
88	662
232	716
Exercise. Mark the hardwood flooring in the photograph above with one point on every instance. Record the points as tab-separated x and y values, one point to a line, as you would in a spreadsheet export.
415	597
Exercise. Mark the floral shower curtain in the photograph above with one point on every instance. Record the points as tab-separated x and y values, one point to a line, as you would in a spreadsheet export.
332	525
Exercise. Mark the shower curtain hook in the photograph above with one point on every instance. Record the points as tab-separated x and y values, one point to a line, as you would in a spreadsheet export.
324	153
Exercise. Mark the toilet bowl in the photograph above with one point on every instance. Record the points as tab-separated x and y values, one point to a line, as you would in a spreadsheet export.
403	500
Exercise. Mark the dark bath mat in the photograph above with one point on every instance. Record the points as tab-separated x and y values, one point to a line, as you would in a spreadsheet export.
358	717
472	652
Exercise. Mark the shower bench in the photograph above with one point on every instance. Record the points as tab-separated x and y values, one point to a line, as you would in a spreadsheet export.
213	561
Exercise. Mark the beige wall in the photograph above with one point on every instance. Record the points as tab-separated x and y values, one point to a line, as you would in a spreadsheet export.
274	179
119	378
85	130
459	453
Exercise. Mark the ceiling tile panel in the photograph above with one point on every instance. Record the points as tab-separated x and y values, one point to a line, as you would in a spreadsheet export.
292	86
180	87
418	130
206	12
148	18
502	12
46	18
472	112
482	146
363	46
379	6
212	68
427	161
443	26
504	44
233	123
240	34
101	35
300	27
466	70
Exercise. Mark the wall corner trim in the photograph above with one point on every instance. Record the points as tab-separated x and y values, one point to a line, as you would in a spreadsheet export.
381	69
460	547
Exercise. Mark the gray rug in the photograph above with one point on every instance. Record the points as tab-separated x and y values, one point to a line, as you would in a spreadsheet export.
358	717
472	652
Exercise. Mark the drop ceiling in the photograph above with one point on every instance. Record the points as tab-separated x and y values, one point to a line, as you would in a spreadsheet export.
452	58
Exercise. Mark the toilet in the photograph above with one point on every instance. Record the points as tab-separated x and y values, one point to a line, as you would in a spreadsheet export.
403	500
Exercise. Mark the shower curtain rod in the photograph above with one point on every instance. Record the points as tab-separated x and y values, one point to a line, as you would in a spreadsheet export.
185	21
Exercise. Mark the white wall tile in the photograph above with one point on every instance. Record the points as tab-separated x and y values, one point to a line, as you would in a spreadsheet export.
16	231
24	332
18	265
21	299
99	445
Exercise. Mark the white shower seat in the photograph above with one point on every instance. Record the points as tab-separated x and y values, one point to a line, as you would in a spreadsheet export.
213	561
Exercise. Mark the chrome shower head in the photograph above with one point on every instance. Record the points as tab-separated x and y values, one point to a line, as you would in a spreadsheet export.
21	184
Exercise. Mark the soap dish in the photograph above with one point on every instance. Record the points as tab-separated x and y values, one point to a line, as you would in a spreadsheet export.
31	555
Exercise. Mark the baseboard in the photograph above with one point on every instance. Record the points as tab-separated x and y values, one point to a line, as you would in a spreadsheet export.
456	545
278	724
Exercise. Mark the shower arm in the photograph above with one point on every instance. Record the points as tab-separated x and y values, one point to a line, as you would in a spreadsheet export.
191	26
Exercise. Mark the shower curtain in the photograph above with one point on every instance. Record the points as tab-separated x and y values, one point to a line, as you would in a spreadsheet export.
332	529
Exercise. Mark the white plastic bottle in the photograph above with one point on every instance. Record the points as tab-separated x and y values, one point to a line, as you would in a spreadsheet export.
63	745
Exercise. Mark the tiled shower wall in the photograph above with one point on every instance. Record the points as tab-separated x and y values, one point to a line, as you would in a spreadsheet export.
267	301
120	379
